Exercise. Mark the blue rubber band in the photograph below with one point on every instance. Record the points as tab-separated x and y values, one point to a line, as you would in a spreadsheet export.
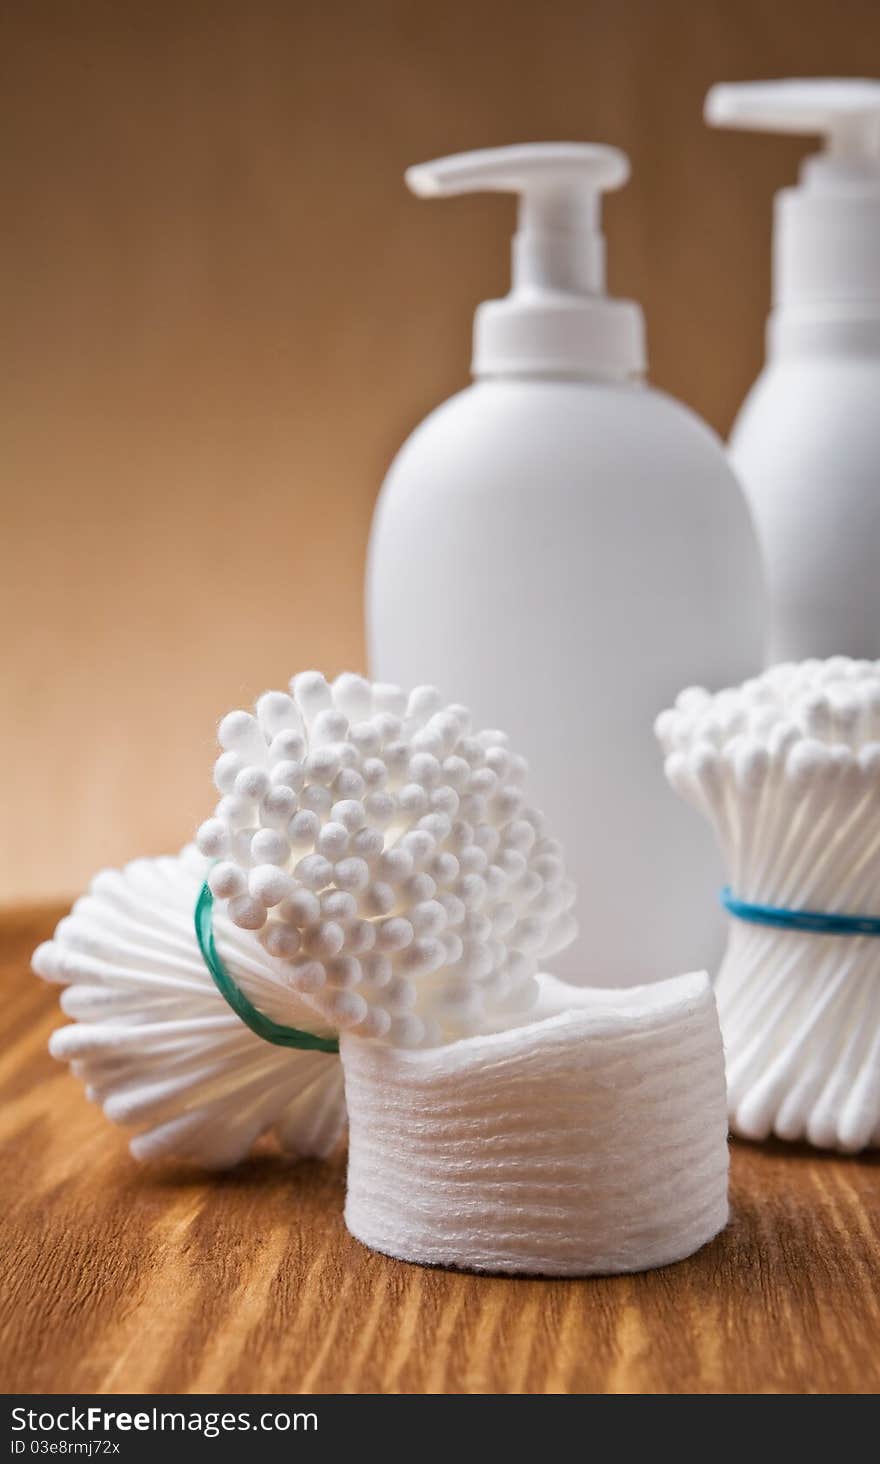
232	993
815	920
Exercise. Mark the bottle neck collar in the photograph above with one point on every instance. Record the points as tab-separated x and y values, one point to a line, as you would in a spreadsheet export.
543	333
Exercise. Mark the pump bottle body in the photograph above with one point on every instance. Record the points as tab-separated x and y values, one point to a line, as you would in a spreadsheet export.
564	556
806	444
806	447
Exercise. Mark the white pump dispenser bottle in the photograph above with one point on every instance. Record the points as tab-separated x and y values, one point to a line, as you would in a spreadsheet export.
806	444
563	549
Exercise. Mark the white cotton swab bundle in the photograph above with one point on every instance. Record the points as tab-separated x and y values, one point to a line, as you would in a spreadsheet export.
787	770
154	1041
374	868
383	854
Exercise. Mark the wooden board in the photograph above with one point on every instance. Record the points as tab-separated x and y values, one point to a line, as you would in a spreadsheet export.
121	1279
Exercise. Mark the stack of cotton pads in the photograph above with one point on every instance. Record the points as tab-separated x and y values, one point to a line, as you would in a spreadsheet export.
374	871
787	769
592	1140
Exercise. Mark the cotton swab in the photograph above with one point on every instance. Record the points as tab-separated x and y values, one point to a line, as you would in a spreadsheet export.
787	769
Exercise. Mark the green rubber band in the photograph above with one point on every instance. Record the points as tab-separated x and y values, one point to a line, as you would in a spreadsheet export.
232	993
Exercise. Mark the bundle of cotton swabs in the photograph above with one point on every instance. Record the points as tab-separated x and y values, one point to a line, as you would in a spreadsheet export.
787	769
384	855
374	867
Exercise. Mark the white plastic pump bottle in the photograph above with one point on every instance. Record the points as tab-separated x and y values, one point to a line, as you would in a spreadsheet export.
806	444
563	549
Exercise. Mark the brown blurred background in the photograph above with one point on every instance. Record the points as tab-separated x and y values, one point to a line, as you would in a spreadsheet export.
222	312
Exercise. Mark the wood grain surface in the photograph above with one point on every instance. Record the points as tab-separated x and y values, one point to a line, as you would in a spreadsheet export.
121	1279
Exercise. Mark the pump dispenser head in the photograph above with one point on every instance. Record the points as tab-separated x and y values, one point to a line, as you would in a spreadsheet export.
826	252
557	319
845	112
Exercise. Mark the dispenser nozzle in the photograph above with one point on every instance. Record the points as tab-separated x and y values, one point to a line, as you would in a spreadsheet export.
541	167
558	244
845	111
